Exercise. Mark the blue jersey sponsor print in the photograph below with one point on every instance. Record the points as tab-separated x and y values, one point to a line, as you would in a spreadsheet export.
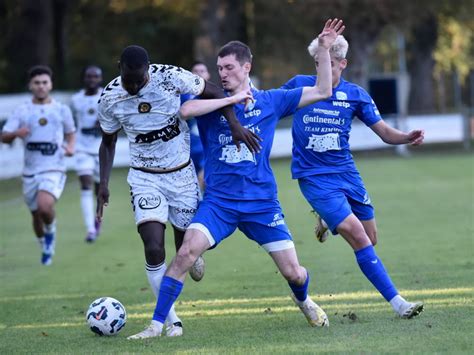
241	175
321	130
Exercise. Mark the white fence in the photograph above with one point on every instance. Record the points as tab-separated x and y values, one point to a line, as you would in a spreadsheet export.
438	129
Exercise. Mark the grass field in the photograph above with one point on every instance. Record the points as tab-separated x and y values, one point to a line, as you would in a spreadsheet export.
425	216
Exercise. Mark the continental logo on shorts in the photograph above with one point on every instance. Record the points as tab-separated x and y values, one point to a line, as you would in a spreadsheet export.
43	121
149	202
144	107
91	111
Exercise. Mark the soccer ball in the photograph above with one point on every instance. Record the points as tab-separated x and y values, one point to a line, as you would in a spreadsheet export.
106	316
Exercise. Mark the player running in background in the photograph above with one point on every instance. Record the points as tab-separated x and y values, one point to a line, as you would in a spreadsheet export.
144	101
241	190
47	130
327	175
197	151
85	110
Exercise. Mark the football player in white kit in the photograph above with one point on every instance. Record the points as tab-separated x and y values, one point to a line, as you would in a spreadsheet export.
144	101
47	130
84	105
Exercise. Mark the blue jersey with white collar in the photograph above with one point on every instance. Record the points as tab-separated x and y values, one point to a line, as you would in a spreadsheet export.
321	130
234	175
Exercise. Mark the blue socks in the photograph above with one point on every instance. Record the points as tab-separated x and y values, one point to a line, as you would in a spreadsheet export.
374	270
169	292
300	291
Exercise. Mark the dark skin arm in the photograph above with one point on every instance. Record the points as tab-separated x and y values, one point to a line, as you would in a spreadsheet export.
239	133
106	160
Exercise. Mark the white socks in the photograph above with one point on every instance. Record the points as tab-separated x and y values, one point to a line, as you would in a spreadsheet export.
155	273
50	228
396	302
87	205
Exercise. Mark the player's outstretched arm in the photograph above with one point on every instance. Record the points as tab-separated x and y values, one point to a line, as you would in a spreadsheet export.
192	108
69	148
391	135
8	137
106	160
239	133
323	88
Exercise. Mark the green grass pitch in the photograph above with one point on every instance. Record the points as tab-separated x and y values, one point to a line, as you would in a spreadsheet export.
424	209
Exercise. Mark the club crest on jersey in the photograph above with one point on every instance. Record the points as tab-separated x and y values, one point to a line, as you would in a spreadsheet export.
91	111
43	121
144	107
340	95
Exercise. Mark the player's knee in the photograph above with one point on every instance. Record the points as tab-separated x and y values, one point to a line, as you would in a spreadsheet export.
294	274
185	257
155	249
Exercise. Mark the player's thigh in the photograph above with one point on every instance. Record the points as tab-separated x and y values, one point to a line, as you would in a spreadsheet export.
96	174
183	195
326	198
268	229
214	221
148	201
30	191
84	164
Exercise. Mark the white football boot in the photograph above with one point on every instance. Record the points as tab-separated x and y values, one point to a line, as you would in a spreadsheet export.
197	270
321	230
409	310
152	331
314	314
174	330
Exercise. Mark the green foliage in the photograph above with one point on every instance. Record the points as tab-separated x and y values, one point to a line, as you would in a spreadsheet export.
424	212
455	48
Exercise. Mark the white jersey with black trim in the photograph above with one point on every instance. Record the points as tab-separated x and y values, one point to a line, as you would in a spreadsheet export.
158	137
47	124
85	110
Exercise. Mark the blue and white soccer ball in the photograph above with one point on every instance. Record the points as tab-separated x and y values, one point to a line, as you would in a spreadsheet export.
106	316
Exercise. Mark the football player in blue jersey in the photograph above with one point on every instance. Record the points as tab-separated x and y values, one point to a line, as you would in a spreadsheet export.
241	190
197	151
326	172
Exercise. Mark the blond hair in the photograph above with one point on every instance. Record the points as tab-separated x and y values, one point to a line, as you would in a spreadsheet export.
338	49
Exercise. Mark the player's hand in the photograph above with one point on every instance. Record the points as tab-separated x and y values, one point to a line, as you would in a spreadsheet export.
102	201
22	132
68	151
331	30
249	138
242	96
416	137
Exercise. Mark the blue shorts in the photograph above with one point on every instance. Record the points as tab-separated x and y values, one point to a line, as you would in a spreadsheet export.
261	221
335	196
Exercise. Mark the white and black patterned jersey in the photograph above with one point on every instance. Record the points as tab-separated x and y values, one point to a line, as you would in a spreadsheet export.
158	137
43	145
85	110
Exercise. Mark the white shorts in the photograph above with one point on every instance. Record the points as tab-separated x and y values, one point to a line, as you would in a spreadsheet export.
87	164
50	181
170	196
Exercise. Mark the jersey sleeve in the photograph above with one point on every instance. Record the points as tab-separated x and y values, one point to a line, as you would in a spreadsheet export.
187	82
290	84
68	121
108	123
285	102
367	110
13	122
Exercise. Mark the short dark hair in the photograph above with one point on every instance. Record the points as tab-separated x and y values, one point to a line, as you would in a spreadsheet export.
240	50
39	70
134	57
90	66
197	62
